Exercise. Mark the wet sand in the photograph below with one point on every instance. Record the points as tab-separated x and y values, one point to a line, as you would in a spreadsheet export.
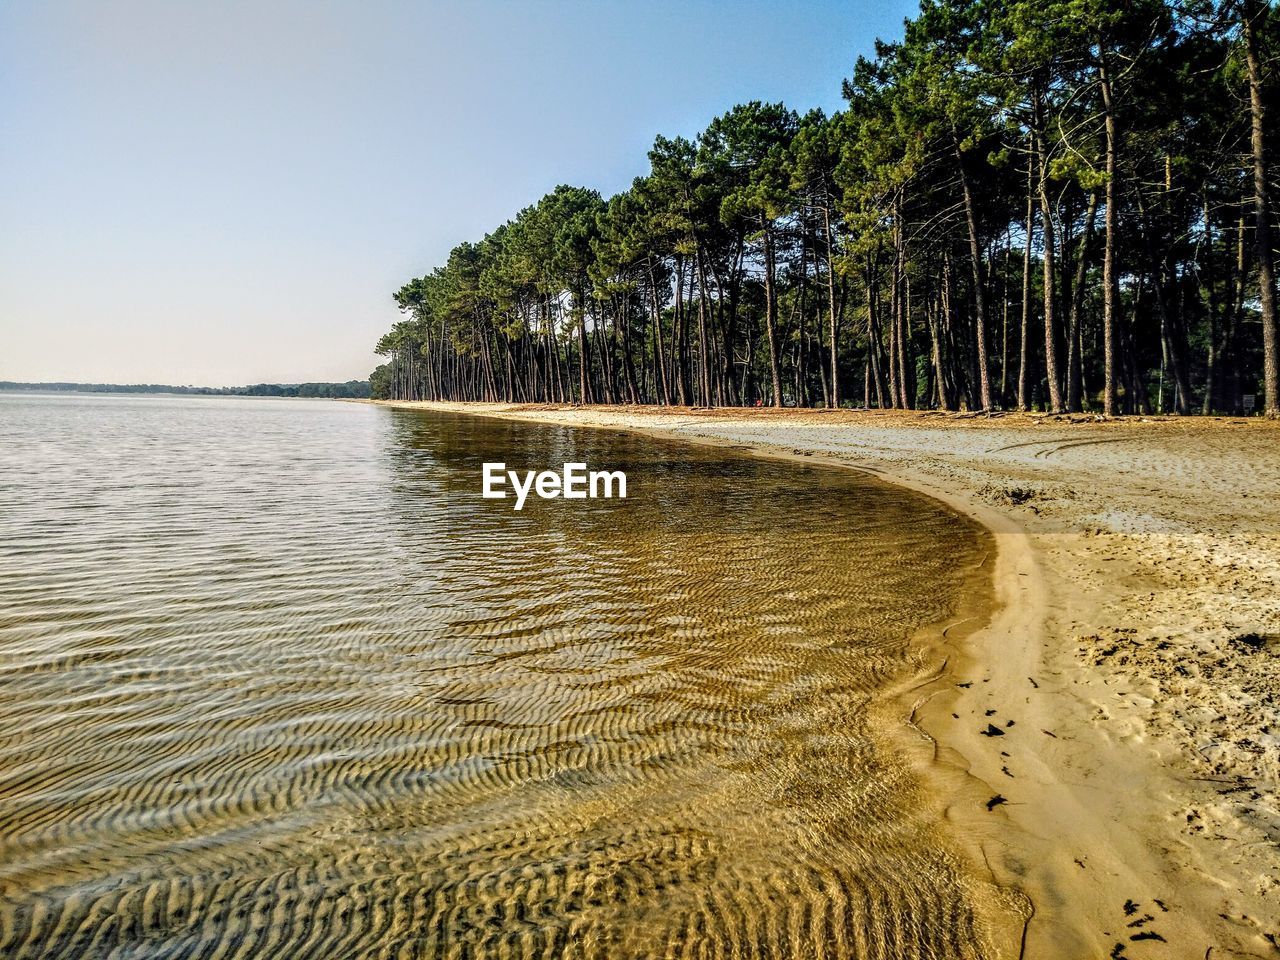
1110	743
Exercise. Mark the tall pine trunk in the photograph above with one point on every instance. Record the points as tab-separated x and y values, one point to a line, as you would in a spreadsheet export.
1050	316
979	288
831	311
1256	11
1024	334
1110	283
771	315
1075	345
584	351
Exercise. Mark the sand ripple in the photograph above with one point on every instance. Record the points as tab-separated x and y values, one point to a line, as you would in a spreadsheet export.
275	682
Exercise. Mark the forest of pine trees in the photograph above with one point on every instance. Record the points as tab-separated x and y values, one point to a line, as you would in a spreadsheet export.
1060	205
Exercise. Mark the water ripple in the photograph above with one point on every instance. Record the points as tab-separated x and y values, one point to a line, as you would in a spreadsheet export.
276	682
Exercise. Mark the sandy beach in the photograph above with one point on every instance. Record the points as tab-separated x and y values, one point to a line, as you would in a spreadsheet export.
1109	744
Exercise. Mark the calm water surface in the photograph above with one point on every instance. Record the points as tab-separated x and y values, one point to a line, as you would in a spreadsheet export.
275	681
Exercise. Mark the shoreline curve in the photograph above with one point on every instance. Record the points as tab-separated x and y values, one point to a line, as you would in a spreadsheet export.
1085	837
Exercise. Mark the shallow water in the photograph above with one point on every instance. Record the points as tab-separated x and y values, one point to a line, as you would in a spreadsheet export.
275	681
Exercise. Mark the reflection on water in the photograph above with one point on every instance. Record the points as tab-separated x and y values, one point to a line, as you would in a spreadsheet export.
275	681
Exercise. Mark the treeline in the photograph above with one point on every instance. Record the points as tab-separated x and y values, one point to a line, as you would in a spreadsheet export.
351	390
1049	204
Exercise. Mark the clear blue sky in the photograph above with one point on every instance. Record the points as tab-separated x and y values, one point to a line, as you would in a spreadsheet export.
226	192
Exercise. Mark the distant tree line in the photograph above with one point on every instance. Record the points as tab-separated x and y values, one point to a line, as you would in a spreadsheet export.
1052	204
351	390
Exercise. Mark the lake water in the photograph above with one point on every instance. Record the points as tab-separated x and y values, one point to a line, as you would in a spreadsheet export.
276	682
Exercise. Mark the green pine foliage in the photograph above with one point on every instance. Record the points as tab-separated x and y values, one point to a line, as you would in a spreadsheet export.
1039	204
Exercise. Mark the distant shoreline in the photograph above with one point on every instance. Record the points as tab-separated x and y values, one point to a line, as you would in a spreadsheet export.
346	390
1136	572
